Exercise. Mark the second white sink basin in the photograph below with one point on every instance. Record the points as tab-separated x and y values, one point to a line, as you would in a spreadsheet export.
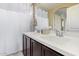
55	39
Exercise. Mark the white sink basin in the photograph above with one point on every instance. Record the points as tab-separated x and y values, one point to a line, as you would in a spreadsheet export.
55	39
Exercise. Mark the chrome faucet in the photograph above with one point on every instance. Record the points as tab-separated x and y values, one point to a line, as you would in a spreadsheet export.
59	33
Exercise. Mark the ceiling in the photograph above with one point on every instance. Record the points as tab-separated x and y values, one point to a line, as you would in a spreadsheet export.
58	8
49	6
24	7
46	5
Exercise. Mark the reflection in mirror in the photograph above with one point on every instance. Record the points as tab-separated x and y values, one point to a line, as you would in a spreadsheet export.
41	17
41	12
62	14
72	22
58	21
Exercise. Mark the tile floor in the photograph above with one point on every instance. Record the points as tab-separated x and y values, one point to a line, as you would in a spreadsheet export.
16	54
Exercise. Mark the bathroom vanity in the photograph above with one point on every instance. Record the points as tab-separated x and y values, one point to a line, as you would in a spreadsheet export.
36	44
37	48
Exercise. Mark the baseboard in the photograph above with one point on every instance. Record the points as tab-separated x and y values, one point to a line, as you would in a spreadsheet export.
14	53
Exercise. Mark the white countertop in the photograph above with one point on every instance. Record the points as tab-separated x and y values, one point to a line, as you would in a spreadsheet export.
66	45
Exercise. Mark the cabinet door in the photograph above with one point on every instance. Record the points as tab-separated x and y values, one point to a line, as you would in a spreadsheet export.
24	45
36	48
50	52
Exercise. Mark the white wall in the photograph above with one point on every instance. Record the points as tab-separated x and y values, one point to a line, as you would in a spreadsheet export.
17	7
72	22
12	25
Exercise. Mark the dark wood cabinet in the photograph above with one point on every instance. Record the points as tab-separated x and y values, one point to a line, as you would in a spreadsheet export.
24	45
34	48
50	52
